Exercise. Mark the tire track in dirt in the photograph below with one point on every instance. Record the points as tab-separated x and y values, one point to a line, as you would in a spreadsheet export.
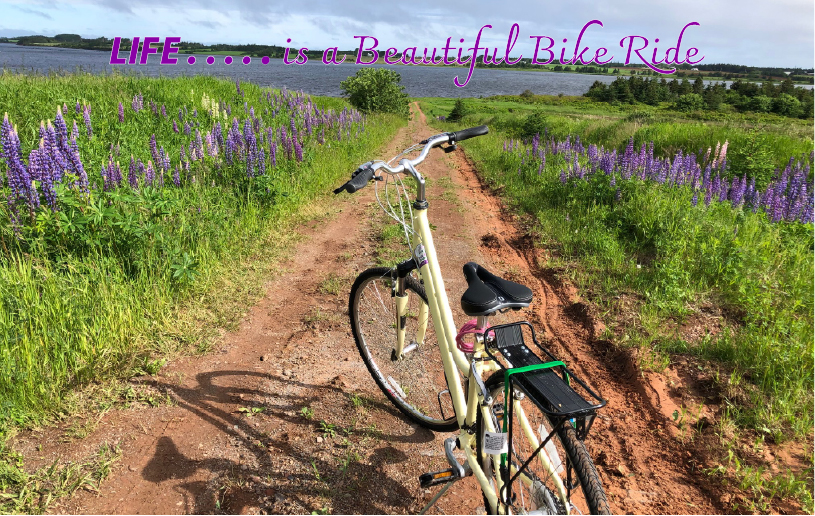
285	418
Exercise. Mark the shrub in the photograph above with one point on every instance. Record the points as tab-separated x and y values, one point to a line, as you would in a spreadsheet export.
690	102
787	105
458	112
376	90
760	104
534	124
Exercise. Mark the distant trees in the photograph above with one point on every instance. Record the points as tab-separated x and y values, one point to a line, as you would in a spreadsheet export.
783	99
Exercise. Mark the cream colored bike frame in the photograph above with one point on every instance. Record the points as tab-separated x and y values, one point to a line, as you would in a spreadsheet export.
455	364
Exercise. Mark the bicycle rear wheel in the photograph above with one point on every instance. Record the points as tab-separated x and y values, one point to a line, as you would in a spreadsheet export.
535	490
415	383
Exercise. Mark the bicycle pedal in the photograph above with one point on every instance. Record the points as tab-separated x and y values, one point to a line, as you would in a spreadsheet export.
439	477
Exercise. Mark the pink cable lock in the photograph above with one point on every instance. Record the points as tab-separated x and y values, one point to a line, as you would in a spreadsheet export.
468	328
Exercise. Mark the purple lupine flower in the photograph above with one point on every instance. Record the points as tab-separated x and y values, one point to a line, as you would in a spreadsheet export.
78	108
777	208
695	199
165	160
261	162
154	149
86	114
35	171
153	107
187	128
132	177
163	111
298	151
199	144
105	179
181	114
229	149
141	169
79	170
121	113
175	127
176	177
273	153
218	135
150	174
251	147
117	175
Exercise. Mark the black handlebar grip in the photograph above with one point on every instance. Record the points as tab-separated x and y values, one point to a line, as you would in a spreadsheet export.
358	181
472	132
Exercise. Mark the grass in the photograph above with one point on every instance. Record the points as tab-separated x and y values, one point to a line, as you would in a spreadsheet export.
765	487
26	493
333	284
106	300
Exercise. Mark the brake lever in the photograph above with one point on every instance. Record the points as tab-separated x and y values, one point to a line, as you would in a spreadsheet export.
450	148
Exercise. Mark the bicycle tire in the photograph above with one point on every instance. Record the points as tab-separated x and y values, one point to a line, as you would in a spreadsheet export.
414	383
592	498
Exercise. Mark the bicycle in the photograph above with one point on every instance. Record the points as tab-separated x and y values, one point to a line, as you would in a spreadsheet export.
522	429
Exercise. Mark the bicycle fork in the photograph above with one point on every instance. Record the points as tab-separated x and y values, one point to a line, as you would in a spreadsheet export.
401	298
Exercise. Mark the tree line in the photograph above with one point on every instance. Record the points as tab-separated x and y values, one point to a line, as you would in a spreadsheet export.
783	99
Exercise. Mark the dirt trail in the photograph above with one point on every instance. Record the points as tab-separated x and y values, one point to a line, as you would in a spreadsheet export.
321	436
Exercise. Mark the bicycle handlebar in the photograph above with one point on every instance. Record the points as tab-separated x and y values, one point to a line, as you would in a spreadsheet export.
469	133
367	171
358	180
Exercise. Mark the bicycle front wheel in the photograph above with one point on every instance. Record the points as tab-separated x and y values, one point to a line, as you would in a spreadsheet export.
536	488
415	382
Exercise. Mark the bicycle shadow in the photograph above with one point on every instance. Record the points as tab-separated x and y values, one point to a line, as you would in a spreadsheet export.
289	475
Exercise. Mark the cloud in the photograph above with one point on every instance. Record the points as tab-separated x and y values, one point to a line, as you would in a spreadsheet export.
208	24
34	12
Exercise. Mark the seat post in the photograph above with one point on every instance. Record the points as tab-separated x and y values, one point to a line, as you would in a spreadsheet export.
481	322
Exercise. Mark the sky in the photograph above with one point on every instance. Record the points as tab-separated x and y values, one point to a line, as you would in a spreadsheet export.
779	33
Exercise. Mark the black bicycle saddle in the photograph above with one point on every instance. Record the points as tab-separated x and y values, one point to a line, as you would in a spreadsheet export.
487	293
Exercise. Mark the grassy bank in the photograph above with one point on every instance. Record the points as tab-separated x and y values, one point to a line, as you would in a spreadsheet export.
636	243
722	282
127	250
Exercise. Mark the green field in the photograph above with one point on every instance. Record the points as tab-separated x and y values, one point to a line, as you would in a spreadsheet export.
112	276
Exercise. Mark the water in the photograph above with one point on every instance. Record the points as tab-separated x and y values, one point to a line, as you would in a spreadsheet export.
313	77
